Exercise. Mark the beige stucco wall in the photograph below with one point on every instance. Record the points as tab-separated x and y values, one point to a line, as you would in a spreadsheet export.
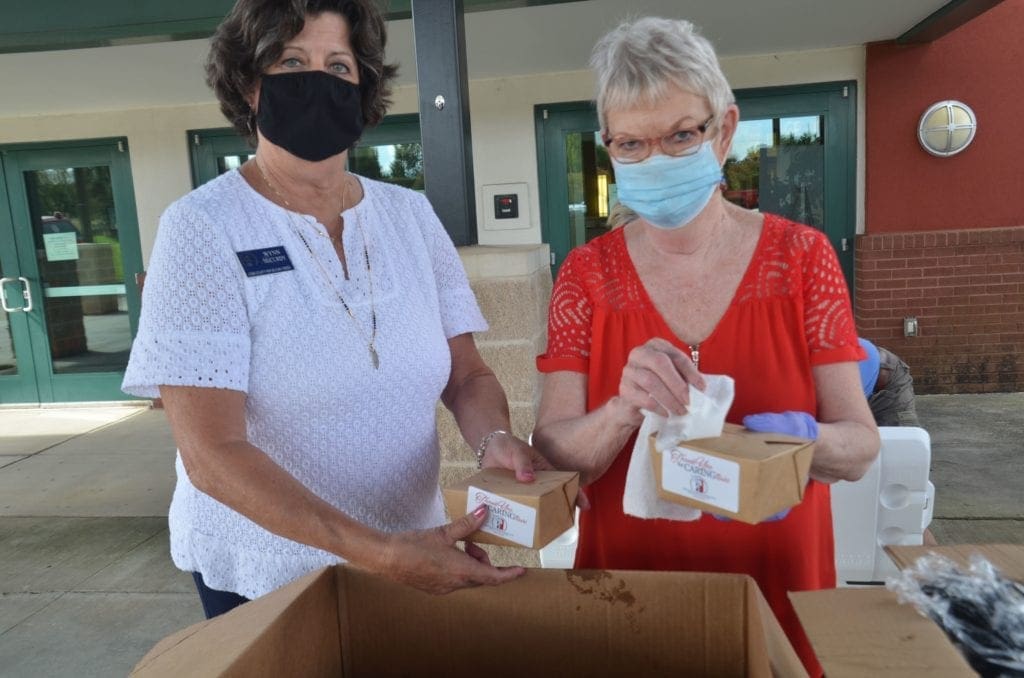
513	286
504	145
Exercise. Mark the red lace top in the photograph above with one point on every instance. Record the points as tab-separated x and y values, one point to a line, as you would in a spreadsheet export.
790	313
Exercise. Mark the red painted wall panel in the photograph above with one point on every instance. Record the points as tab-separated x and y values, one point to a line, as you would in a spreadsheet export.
981	64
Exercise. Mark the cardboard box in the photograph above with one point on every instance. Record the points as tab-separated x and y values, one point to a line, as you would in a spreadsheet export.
741	475
867	632
520	514
342	622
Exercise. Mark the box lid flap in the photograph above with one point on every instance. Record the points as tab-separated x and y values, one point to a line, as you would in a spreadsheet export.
1008	558
782	658
740	443
867	632
243	638
503	482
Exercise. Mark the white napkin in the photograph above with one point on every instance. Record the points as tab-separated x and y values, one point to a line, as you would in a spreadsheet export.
705	418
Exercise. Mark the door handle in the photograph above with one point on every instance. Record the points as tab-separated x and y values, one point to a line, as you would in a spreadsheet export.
26	293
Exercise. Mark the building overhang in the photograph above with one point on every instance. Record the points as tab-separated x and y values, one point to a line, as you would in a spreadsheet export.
738	26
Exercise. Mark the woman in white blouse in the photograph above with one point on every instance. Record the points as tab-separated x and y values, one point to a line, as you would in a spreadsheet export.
300	324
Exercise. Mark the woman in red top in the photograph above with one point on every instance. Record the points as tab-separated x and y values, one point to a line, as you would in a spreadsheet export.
693	284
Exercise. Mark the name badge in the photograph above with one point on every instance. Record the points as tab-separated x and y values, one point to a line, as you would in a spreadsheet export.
266	261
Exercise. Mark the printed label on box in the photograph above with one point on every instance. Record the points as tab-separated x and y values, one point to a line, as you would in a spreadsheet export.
506	519
693	474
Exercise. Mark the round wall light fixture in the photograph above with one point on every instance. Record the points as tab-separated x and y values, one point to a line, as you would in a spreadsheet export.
947	128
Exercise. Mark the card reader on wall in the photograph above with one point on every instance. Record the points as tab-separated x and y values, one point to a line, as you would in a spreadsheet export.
506	206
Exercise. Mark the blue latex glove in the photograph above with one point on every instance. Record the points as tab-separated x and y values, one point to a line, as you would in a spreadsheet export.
799	424
869	367
770	519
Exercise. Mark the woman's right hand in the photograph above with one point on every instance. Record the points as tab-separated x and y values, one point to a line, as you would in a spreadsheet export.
657	376
430	561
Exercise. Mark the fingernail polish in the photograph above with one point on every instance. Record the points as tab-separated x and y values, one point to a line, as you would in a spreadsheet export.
480	510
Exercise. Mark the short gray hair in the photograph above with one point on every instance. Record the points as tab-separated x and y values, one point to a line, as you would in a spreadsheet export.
636	61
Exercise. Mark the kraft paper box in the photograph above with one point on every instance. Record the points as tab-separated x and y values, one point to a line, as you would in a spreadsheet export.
519	514
342	622
741	475
878	636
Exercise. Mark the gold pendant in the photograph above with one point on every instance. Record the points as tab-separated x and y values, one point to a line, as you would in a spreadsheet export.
374	359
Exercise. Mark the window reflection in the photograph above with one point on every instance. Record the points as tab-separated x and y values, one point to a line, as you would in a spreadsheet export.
8	363
400	164
226	163
591	185
777	165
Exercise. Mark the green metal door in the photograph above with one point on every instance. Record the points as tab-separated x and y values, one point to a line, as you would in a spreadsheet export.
561	132
17	378
215	151
70	251
794	154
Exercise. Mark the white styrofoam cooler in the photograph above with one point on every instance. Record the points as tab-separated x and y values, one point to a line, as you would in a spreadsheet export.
561	553
891	504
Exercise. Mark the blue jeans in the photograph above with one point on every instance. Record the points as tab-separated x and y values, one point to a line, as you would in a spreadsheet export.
216	602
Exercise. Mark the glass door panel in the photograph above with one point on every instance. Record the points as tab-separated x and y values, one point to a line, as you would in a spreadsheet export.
12	294
400	163
17	376
777	165
391	152
81	272
231	161
591	186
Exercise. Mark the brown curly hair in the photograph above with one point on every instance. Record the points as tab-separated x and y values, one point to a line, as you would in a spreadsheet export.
252	37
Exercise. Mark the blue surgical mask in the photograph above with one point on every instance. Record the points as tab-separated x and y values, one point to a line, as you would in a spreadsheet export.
666	191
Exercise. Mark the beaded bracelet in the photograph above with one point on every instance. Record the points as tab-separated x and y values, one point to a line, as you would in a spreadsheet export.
482	447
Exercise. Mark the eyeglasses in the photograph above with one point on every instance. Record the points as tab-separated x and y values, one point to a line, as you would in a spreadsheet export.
626	149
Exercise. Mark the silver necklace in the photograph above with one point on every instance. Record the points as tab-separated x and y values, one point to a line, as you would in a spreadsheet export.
371	342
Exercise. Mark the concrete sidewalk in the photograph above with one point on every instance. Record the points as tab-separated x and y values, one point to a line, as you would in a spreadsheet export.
86	582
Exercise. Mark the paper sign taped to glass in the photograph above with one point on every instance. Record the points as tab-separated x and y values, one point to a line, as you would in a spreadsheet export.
684	465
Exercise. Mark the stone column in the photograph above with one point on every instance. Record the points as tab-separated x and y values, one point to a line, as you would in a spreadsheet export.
513	286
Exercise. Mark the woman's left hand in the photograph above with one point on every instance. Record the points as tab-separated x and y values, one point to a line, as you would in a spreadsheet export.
509	452
791	423
799	424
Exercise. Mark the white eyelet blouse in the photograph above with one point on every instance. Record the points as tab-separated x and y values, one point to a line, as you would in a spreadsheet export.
364	440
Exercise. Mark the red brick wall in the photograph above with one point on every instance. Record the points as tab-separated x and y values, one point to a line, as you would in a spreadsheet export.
966	289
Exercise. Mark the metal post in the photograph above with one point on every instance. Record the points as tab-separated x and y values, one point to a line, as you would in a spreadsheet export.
440	36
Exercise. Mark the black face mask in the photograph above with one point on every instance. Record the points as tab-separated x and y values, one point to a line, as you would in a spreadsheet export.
310	114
